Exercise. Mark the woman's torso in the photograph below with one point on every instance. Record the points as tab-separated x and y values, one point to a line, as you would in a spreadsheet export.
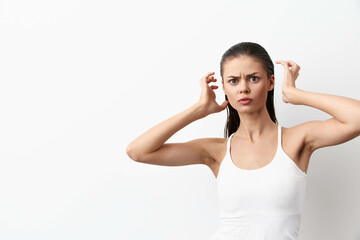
261	190
257	155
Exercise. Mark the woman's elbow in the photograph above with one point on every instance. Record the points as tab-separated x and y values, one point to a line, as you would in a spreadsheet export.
131	153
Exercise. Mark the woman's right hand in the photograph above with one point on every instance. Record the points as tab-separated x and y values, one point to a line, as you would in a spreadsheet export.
207	98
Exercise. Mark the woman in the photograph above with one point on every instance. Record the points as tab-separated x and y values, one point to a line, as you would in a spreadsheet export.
260	167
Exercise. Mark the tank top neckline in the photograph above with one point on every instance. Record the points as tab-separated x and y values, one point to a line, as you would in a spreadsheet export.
278	148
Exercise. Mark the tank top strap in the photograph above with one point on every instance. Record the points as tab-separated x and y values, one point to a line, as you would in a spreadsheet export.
279	138
229	141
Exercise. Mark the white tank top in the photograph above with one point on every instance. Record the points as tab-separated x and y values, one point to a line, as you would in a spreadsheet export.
263	203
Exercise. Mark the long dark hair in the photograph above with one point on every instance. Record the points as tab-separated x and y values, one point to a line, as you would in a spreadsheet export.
259	53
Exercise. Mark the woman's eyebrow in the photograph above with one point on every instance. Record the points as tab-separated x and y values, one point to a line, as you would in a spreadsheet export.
246	75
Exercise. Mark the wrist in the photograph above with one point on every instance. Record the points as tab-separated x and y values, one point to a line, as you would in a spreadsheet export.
199	110
292	95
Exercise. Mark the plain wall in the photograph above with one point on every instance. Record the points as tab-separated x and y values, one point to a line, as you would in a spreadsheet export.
81	79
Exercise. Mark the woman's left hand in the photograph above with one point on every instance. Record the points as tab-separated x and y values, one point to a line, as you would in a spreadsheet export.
291	74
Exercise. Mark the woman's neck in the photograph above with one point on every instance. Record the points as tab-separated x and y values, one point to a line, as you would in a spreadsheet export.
254	125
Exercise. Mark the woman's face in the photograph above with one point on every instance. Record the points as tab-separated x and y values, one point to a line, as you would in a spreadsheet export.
245	77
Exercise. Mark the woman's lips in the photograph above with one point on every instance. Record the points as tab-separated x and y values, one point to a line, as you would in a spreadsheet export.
245	101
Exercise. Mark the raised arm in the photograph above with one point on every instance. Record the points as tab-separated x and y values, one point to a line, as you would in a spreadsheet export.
342	127
150	147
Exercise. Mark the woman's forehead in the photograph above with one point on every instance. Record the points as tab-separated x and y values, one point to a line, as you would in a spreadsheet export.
242	65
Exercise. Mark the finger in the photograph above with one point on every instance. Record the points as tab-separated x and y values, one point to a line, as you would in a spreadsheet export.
211	77
284	63
294	66
209	74
223	105
211	80
280	61
292	63
204	80
214	87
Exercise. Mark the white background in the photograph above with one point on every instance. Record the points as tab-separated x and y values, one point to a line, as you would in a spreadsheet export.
82	79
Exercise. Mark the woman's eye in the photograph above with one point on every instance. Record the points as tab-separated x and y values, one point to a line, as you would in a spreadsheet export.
232	80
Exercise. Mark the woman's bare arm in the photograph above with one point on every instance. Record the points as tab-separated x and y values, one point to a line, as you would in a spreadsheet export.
345	124
342	127
153	139
150	147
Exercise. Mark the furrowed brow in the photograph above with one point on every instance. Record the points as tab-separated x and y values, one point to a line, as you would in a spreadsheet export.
251	74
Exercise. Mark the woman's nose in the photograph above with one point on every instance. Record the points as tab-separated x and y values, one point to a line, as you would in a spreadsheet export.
243	87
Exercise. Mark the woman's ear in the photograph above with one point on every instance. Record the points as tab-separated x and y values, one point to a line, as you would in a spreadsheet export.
272	83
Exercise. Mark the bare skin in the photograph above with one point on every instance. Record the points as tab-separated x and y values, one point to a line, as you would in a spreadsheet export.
257	155
254	143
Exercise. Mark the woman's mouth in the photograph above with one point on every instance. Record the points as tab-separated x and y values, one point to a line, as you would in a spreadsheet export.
245	101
